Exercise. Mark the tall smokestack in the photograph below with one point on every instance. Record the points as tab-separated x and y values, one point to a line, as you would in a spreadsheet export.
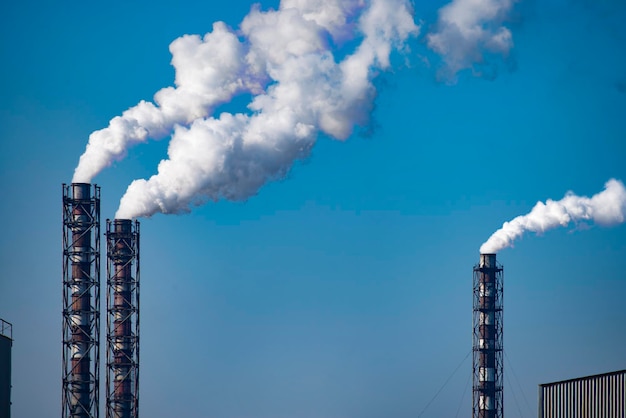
487	339
81	300
122	319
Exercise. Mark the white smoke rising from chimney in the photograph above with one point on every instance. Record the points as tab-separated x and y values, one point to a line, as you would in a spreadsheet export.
285	60
467	28
209	71
300	88
605	208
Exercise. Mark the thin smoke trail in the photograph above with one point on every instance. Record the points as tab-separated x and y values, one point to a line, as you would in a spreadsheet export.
605	208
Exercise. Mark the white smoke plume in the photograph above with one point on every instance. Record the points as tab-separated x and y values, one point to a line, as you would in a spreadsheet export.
233	155
285	59
466	29
209	71
605	208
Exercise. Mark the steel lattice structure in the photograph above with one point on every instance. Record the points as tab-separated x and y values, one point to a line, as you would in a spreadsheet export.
81	301
487	397
122	381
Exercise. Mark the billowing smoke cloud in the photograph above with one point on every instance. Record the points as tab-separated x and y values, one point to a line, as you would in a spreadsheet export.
285	59
605	208
466	29
209	71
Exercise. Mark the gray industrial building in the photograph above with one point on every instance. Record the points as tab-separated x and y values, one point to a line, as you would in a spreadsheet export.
6	341
596	396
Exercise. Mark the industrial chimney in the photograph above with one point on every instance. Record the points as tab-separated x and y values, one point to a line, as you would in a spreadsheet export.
487	339
122	381
81	301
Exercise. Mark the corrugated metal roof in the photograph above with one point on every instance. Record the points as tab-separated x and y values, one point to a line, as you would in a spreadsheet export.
596	396
585	377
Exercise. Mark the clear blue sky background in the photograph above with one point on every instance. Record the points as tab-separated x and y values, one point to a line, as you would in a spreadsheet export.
345	290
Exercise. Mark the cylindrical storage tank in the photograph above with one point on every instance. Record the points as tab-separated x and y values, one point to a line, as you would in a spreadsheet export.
6	342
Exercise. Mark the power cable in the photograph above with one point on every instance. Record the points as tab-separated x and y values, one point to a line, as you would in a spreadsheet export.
463	397
514	396
444	384
517	381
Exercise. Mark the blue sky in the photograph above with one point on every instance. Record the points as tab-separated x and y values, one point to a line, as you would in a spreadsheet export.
343	290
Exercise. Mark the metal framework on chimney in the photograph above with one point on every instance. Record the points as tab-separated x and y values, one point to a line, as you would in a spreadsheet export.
81	301
487	399
122	381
